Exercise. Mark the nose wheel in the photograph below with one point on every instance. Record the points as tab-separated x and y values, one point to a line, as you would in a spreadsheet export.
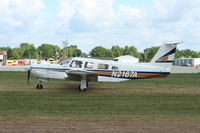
39	85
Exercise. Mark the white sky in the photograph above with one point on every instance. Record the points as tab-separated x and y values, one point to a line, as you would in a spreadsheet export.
90	23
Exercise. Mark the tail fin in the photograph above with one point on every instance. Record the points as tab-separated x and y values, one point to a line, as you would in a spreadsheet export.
165	55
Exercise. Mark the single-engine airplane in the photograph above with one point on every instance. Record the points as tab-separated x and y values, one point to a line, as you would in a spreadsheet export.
94	70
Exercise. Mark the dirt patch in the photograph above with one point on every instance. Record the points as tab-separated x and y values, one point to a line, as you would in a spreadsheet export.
85	126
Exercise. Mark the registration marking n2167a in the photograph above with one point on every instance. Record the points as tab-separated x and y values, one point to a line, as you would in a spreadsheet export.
124	74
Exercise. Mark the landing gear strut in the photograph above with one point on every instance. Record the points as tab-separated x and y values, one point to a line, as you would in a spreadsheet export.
84	84
39	85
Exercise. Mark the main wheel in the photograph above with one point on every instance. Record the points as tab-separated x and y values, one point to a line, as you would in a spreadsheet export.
81	89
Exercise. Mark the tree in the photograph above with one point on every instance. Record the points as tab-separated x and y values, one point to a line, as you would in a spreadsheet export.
85	55
187	53
15	53
101	52
141	57
149	53
48	50
9	51
190	53
77	53
109	53
27	50
131	51
178	54
73	51
117	51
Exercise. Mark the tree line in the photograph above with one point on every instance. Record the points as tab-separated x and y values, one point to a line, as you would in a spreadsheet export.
27	50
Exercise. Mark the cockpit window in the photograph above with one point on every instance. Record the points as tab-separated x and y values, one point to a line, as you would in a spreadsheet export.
114	68
102	66
64	62
76	64
89	65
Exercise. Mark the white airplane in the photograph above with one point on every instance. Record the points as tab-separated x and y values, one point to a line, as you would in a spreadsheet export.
94	70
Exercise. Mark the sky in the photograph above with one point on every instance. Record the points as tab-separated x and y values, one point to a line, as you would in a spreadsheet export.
91	23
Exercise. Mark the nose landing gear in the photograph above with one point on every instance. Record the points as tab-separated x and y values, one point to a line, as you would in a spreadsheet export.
40	81
39	86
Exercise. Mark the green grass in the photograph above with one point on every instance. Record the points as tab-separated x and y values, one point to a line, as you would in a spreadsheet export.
176	97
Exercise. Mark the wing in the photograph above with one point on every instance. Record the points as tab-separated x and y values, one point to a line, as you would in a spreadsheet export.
77	74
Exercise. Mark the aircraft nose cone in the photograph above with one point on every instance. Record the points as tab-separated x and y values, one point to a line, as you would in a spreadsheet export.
28	68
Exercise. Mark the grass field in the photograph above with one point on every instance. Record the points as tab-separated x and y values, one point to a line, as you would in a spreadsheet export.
173	98
141	106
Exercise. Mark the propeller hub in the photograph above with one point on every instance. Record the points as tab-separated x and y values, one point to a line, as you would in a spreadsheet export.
28	68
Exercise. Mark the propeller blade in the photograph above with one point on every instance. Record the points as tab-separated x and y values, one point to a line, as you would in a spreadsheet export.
28	76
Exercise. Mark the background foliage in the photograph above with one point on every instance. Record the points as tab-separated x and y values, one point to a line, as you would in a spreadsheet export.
27	50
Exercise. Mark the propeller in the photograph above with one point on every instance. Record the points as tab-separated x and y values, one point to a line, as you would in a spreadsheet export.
28	76
28	68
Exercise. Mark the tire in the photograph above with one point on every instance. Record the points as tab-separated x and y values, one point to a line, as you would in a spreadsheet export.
39	86
79	87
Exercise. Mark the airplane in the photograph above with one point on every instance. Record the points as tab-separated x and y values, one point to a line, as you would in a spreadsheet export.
87	70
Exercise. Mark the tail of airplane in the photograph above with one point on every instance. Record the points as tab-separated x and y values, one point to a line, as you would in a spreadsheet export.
165	55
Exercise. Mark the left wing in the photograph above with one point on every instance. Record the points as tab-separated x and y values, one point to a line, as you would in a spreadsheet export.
77	74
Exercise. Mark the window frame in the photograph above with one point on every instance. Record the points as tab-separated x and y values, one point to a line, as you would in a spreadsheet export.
86	65
74	61
106	66
115	68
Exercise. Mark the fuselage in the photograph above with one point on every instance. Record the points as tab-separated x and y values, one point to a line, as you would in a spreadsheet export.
100	70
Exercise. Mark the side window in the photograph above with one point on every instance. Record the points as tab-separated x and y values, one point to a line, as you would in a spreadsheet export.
89	65
114	68
102	66
76	64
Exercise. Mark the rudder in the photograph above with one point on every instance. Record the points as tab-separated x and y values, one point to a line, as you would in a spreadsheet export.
165	55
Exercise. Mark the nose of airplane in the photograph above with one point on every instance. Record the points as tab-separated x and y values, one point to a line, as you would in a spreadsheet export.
28	68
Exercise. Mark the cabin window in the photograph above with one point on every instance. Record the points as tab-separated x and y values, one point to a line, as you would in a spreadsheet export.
76	64
114	68
102	66
89	65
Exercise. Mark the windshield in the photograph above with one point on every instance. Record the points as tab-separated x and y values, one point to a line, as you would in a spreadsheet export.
66	61
76	64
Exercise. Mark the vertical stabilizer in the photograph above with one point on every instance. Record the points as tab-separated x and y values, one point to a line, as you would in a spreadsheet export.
165	55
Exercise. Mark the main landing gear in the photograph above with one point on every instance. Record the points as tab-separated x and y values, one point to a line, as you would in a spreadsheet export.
84	84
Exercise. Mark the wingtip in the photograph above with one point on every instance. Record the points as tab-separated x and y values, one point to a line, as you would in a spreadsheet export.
174	43
179	42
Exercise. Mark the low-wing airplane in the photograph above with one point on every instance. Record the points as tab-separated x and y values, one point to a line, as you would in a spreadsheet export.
94	70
